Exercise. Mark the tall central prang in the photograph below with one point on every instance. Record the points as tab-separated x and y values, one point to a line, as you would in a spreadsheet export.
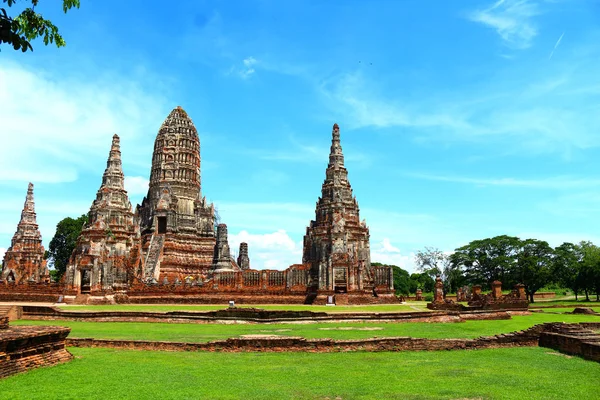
177	223
336	244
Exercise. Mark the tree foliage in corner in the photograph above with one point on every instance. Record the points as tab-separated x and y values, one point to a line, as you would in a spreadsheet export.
63	242
29	25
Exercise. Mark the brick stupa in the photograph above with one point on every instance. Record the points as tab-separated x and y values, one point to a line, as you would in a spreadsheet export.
108	248
24	259
177	223
336	244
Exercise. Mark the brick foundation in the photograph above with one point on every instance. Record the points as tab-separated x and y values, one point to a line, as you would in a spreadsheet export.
253	315
26	347
577	339
280	344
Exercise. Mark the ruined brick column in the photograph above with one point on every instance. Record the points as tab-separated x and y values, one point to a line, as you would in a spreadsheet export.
222	259
24	259
107	252
243	259
496	289
521	291
438	291
419	295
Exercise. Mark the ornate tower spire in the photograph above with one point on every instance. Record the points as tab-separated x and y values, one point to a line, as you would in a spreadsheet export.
108	245
113	175
177	223
336	239
111	195
176	158
27	229
24	259
336	157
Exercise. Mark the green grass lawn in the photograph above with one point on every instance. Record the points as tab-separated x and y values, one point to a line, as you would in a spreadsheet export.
413	306
517	373
187	332
566	309
561	302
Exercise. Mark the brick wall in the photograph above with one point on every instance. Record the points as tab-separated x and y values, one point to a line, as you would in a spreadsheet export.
26	347
280	343
577	339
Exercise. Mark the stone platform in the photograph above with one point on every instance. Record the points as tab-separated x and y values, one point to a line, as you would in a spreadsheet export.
253	315
26	347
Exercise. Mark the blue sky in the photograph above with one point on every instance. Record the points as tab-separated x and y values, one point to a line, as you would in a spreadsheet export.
460	120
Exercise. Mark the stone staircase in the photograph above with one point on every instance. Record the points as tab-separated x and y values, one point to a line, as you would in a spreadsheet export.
153	257
4	310
8	313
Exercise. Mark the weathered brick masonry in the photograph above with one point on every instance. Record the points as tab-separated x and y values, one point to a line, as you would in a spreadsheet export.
26	347
579	339
254	315
280	343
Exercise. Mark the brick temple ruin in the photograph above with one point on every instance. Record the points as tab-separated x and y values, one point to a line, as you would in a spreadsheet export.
172	249
476	300
26	347
24	260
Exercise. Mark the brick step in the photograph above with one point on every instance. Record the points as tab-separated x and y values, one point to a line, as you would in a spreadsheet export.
4	310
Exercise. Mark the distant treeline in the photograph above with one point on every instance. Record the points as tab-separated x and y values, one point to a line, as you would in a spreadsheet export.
508	259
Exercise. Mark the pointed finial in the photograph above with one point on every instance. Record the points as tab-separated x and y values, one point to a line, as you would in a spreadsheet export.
336	157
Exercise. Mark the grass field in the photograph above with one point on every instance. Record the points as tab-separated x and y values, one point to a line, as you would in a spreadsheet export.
518	373
408	307
411	307
561	302
566	309
343	330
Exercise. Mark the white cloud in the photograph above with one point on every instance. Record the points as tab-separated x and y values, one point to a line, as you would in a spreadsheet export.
55	127
136	185
352	95
556	45
512	20
535	112
276	250
246	70
386	253
266	217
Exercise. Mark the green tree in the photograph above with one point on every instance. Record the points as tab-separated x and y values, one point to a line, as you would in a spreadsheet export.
433	261
533	267
63	243
421	281
29	25
568	258
487	260
590	269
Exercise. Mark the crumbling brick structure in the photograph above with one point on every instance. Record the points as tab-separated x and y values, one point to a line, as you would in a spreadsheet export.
108	248
26	347
336	244
24	260
517	299
174	250
177	223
